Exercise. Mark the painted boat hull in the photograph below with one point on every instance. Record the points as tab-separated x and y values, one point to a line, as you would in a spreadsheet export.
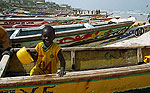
77	36
29	21
97	83
50	21
132	32
4	23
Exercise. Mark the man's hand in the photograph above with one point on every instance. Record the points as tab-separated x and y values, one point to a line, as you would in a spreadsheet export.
62	72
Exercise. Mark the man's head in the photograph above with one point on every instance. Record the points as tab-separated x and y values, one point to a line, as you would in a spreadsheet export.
48	35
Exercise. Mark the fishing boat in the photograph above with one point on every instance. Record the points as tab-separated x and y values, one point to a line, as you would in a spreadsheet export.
89	69
71	35
13	21
134	31
27	15
52	21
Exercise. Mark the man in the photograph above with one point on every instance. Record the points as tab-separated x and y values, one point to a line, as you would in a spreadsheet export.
49	54
4	41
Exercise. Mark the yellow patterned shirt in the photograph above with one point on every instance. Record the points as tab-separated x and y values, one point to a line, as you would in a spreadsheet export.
47	59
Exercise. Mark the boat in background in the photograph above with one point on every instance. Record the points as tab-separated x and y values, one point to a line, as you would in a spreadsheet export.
134	31
71	35
53	20
14	21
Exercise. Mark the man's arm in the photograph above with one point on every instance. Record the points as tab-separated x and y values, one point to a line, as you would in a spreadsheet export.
62	64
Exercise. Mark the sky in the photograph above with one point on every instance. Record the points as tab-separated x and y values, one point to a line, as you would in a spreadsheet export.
106	4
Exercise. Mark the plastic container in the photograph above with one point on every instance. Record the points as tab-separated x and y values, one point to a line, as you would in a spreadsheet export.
147	59
24	56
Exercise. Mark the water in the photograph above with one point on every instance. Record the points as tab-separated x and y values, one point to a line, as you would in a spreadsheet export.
139	15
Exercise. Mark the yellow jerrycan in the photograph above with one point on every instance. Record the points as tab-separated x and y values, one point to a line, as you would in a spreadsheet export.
24	56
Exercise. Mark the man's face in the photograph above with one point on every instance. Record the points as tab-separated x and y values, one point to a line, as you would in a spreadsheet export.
47	37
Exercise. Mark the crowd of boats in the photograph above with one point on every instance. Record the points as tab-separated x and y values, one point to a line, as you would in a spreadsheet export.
89	66
71	31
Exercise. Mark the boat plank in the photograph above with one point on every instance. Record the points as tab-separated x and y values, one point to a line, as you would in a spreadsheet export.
101	73
3	64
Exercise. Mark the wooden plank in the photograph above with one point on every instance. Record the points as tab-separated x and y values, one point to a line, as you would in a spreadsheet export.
102	73
88	48
3	64
73	59
139	55
99	48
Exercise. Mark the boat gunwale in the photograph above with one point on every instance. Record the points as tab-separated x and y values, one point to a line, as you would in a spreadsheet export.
92	48
76	77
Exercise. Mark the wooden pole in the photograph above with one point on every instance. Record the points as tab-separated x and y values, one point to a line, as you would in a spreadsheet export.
73	59
3	64
139	55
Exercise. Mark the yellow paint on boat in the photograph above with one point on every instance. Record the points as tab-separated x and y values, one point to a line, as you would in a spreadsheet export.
102	59
107	85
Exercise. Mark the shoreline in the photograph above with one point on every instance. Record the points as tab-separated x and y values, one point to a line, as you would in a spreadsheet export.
141	21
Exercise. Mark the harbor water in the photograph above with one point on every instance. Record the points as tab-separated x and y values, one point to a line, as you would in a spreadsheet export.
139	15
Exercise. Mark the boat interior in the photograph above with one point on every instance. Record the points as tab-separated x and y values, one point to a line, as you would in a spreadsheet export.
84	59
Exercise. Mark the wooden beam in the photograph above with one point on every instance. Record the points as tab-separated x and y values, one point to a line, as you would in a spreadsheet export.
73	59
139	55
3	64
83	75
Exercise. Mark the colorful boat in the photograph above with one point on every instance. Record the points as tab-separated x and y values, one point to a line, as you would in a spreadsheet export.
97	70
134	31
70	35
52	21
37	21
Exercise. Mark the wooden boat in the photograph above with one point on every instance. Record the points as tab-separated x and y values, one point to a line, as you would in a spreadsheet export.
52	21
134	31
27	15
97	70
21	26
58	22
70	35
13	21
